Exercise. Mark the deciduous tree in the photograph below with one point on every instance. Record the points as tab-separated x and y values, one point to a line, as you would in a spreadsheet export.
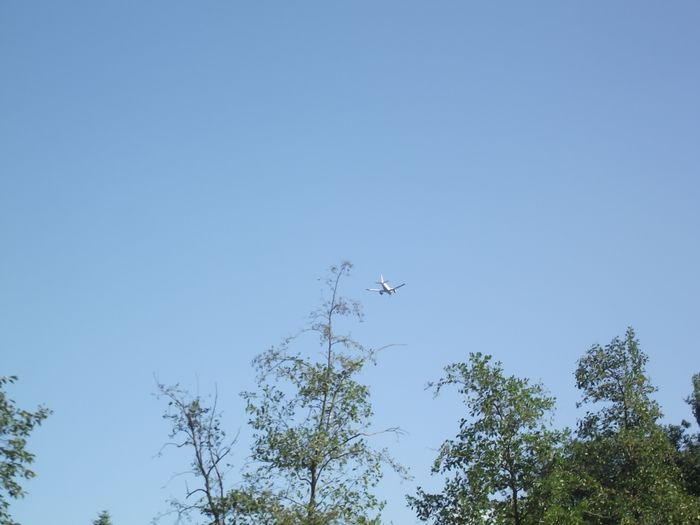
502	446
312	423
687	444
16	425
196	427
623	457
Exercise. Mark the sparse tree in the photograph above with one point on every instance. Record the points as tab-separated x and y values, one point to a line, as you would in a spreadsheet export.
312	426
16	425
196	426
501	449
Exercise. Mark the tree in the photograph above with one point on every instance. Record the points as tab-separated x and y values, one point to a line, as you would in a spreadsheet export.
694	399
623	458
312	423
15	427
687	445
500	450
197	427
615	376
103	519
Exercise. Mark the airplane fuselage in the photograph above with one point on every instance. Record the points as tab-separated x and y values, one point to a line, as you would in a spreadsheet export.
385	288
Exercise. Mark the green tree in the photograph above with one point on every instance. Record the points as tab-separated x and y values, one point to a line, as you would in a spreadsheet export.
687	445
694	399
312	423
499	453
15	427
623	458
687	448
615	376
103	519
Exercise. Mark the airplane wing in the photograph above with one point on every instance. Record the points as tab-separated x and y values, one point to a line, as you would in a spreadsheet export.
374	290
399	286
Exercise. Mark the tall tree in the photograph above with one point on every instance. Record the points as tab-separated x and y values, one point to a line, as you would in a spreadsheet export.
15	427
499	452
103	519
312	423
196	427
623	456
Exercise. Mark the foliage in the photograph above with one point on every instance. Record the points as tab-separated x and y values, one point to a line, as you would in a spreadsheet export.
15	427
103	519
197	427
615	376
694	399
623	459
687	448
621	468
499	453
312	423
687	445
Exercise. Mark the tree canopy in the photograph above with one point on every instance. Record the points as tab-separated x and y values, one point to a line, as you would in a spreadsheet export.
502	446
314	460
507	466
623	455
312	423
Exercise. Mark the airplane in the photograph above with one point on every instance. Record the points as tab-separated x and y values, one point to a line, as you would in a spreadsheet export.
385	287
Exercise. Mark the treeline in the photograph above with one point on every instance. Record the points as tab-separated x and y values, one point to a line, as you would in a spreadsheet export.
313	461
509	465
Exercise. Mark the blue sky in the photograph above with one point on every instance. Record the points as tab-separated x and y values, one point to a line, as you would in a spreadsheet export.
174	178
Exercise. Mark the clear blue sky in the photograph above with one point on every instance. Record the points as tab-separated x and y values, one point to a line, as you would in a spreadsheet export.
175	176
